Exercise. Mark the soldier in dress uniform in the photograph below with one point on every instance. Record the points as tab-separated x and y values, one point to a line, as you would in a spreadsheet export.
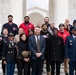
10	54
70	51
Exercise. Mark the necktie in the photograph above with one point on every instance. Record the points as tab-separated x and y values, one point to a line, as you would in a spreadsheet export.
38	45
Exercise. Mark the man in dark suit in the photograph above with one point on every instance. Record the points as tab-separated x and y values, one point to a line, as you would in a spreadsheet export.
37	48
70	51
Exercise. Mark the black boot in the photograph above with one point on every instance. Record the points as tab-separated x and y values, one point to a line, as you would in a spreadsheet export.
66	73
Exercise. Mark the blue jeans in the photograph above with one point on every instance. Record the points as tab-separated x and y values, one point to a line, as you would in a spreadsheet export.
10	68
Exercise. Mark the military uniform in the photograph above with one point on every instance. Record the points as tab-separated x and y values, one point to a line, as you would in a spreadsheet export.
70	52
9	55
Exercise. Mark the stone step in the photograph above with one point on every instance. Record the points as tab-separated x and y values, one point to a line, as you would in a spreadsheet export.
44	69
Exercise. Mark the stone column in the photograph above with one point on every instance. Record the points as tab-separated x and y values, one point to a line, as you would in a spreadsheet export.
60	11
4	11
17	11
24	7
0	17
51	10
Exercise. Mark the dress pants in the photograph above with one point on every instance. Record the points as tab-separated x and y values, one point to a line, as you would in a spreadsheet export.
37	65
72	65
3	66
23	65
10	68
47	65
57	64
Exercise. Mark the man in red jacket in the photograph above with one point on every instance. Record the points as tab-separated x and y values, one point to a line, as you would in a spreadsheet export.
26	25
63	33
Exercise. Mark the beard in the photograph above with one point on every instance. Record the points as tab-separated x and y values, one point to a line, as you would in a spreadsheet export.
26	22
10	21
44	29
46	22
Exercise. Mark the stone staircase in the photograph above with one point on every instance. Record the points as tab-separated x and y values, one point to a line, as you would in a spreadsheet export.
44	70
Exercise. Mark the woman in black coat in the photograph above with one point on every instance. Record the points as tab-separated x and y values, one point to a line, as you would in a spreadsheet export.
56	52
23	63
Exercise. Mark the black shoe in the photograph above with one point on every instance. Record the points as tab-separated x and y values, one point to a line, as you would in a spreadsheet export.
66	73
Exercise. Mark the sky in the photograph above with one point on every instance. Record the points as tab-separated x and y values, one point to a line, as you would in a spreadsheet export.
39	3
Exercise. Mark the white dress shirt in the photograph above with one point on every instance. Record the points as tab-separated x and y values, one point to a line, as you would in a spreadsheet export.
36	38
74	36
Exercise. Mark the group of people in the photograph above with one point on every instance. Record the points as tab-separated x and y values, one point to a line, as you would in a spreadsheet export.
28	46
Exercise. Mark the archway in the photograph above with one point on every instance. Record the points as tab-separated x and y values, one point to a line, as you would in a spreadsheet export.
35	18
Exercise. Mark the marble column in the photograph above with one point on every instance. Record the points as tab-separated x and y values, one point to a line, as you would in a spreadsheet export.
17	11
51	10
24	7
60	11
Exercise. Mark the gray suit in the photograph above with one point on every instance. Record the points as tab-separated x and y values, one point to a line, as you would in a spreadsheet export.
36	62
33	47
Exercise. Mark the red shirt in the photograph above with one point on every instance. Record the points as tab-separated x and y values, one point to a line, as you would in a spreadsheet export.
63	35
27	27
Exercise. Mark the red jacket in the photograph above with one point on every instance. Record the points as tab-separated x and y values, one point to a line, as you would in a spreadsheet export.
27	27
63	35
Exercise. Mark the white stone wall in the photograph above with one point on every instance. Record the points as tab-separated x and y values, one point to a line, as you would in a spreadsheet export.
4	11
72	10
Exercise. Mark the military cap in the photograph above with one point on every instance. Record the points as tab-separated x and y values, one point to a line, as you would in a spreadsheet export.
10	34
26	54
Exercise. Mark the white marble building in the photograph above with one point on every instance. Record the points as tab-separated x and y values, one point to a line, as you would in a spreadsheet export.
58	11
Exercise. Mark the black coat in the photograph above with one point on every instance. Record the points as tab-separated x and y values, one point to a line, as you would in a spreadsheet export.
0	46
56	46
3	40
46	35
9	51
22	46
